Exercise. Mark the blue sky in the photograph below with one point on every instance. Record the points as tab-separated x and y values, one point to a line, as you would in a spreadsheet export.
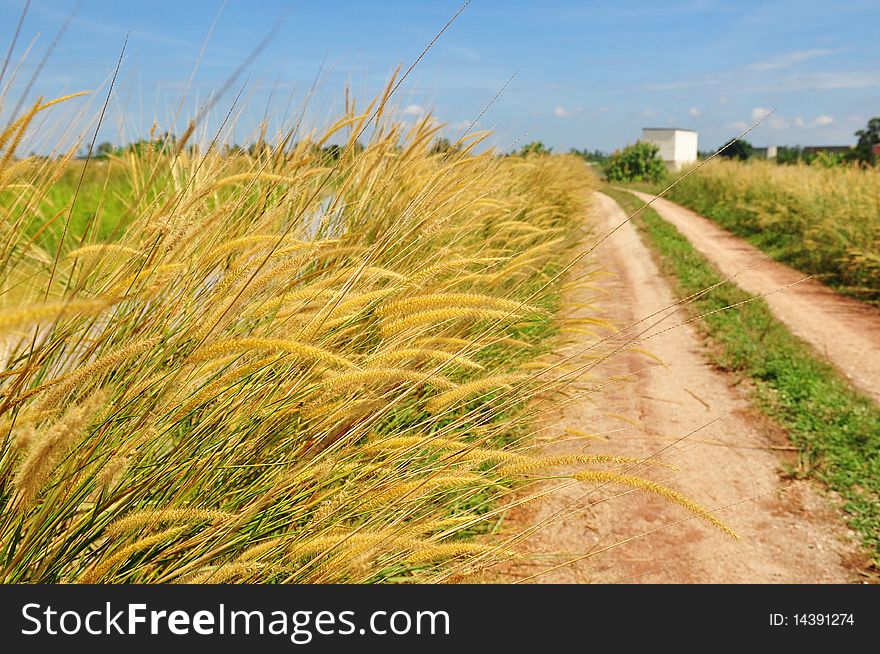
588	74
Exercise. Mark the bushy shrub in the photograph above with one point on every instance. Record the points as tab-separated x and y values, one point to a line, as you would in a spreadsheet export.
869	138
596	156
534	148
639	162
829	159
736	149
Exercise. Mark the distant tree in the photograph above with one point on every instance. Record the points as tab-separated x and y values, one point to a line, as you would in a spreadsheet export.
332	152
534	148
789	154
596	156
104	150
140	146
736	149
259	148
165	143
829	159
233	150
868	138
442	146
639	162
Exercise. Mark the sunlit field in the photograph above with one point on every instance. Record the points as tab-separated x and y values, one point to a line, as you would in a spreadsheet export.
821	220
302	364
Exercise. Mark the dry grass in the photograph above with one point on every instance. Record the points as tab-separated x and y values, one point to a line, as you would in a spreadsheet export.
283	368
823	221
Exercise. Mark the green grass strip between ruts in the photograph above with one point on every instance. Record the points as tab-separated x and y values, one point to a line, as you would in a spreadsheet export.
836	429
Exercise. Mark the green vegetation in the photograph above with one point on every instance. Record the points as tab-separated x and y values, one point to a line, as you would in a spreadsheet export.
591	156
275	369
863	153
534	148
639	162
736	149
102	200
820	220
294	363
869	139
836	429
798	155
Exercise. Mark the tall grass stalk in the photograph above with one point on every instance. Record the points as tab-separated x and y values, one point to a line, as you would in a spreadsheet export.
276	366
822	221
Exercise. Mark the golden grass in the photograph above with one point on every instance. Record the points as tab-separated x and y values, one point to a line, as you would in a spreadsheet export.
280	369
822	221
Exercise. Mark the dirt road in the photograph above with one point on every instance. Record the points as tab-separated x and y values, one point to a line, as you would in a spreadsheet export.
731	458
845	331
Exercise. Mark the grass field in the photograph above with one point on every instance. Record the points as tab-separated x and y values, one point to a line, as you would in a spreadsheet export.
822	221
836	430
279	367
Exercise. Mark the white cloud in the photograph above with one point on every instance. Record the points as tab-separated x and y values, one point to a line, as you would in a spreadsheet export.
830	81
788	59
723	100
778	123
562	112
694	111
759	113
735	81
461	125
819	121
413	110
648	113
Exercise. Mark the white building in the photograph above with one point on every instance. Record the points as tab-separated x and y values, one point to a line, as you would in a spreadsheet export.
678	147
770	152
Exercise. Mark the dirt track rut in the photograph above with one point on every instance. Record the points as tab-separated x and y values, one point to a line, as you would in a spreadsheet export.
845	331
732	458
